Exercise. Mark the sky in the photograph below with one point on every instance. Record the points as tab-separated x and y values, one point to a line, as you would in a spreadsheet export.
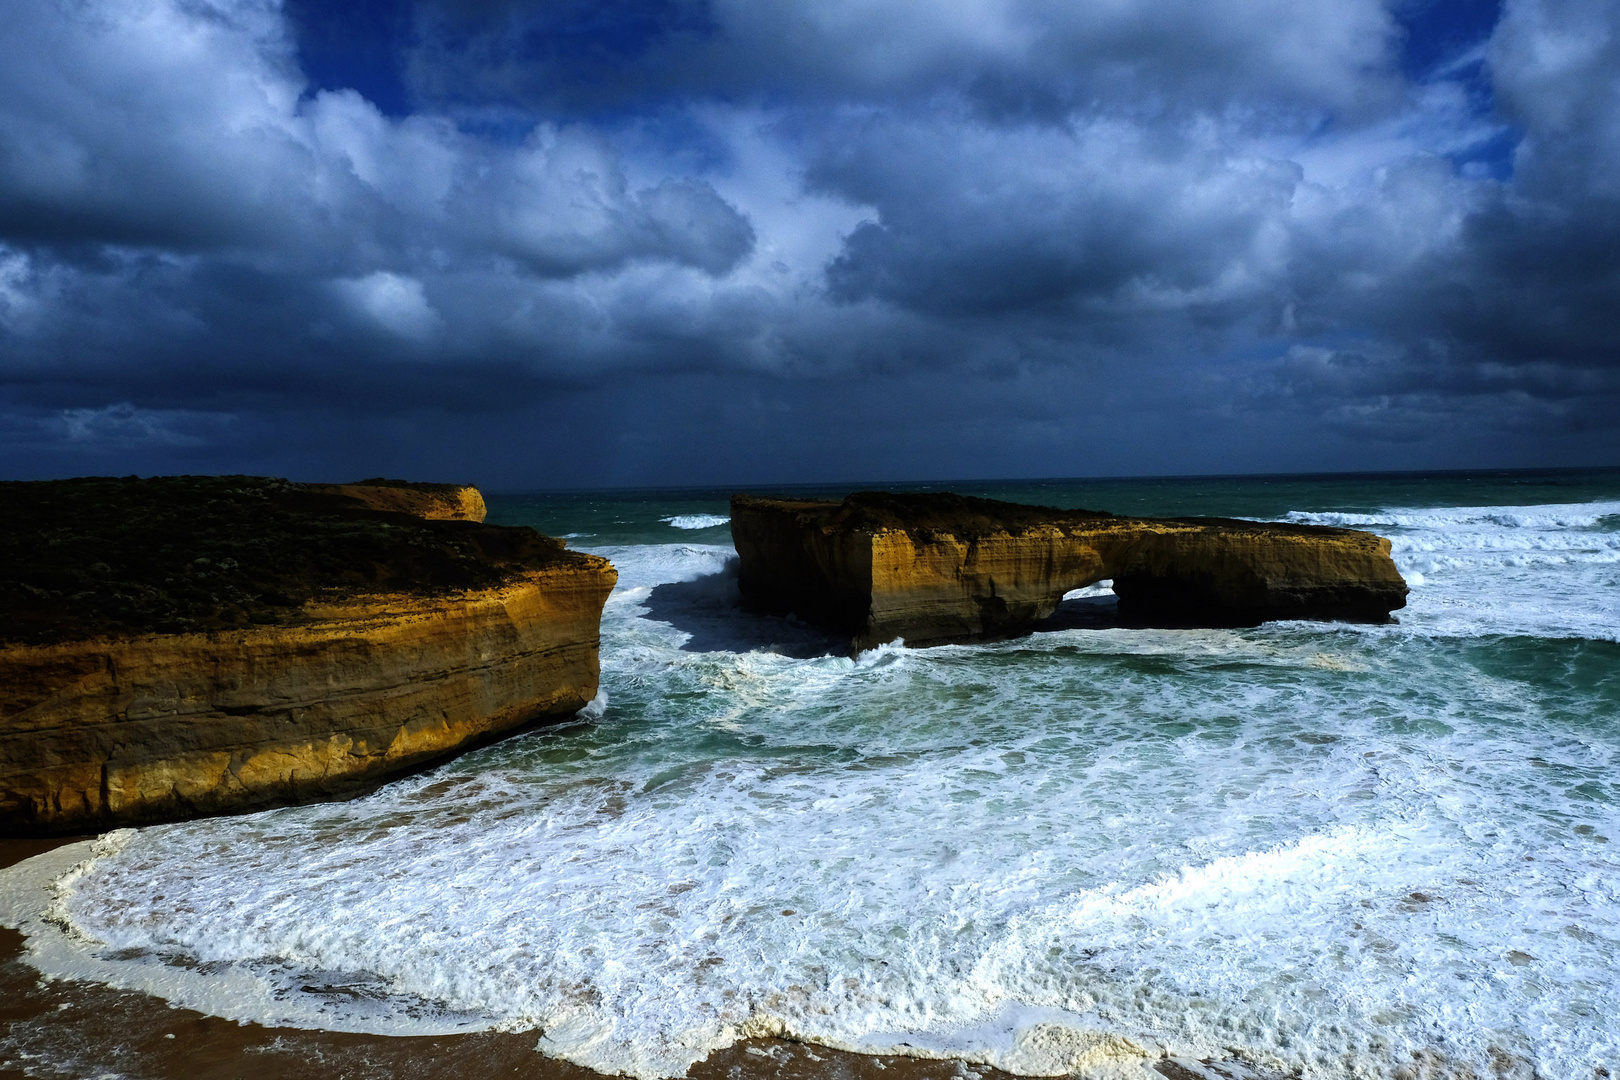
690	242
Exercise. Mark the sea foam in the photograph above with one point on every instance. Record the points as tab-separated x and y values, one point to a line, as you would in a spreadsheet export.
1550	516
696	521
1549	570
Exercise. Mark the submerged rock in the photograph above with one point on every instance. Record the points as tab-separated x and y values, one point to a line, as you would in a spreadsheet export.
183	646
938	568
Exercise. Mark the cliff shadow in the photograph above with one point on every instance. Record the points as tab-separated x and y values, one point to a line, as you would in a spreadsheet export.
710	609
1102	612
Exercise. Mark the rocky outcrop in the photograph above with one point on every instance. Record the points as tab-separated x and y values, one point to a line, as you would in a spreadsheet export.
435	502
313	649
938	568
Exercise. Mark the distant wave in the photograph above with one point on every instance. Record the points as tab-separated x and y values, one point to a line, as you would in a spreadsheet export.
696	521
1546	516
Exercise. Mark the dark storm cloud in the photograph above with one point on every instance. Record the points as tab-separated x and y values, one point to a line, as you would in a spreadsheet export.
1503	319
1036	218
864	233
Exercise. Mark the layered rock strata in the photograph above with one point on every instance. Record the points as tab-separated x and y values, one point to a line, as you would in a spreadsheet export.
938	568
435	502
183	646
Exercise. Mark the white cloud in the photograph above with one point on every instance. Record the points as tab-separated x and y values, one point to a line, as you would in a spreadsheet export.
394	302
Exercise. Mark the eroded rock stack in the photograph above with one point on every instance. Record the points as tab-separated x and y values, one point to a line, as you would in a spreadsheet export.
936	568
182	646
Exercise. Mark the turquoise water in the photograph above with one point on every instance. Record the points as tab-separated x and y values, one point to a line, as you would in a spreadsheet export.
1318	849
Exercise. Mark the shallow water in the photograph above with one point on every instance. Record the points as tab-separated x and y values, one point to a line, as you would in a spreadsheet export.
1338	850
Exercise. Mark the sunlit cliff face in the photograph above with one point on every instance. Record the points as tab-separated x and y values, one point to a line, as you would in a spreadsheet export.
868	238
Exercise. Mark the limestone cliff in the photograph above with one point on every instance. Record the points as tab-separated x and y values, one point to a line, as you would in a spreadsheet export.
436	502
184	646
938	568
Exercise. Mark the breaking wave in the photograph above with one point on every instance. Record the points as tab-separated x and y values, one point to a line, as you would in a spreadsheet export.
696	521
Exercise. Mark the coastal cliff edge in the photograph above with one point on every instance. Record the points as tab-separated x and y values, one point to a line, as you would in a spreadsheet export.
183	646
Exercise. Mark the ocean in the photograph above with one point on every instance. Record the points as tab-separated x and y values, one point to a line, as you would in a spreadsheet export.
1305	849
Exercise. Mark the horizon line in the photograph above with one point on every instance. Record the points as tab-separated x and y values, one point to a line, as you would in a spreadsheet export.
873	485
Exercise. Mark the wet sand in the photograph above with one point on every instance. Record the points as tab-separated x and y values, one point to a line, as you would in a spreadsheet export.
76	1030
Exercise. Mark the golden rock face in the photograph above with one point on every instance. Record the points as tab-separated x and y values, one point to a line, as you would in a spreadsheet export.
941	568
117	729
435	502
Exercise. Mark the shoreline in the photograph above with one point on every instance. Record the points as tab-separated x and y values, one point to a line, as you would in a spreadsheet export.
71	1029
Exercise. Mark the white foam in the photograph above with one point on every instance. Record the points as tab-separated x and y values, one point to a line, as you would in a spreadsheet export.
1543	516
696	521
1544	571
644	566
36	897
596	708
644	920
1098	588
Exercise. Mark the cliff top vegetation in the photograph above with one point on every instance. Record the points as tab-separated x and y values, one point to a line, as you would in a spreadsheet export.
106	556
